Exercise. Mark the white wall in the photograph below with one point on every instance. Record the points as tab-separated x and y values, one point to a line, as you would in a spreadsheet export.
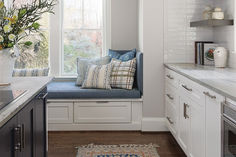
124	24
153	34
224	36
179	37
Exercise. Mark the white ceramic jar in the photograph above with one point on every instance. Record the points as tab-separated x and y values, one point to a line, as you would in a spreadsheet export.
218	14
220	57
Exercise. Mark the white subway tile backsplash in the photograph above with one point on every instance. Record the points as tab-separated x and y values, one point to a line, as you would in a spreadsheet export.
179	37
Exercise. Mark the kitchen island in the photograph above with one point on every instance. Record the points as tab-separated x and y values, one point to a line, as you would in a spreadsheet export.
23	121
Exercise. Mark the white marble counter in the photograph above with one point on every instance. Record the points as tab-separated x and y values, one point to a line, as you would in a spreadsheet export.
220	80
33	86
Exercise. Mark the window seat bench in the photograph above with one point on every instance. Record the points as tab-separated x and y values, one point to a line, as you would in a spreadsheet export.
71	108
68	90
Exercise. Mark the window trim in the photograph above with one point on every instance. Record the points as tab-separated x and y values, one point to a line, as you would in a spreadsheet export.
56	32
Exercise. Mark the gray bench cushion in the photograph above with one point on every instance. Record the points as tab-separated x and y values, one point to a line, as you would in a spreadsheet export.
68	90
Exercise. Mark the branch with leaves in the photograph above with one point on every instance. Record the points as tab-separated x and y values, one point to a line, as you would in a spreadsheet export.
18	23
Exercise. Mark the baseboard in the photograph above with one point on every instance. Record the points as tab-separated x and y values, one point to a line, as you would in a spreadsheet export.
95	127
150	124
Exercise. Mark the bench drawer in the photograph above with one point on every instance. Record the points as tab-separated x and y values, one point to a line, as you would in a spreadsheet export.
60	113
102	112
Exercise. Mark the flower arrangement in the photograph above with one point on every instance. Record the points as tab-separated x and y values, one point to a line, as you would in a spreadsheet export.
18	23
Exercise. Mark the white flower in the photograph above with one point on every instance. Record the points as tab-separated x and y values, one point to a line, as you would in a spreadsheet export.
1	39
11	37
7	28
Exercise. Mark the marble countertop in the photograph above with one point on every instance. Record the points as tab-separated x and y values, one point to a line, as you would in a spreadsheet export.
220	80
33	86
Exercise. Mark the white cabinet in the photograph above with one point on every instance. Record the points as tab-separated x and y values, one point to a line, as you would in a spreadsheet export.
184	124
60	113
193	115
213	123
197	130
102	112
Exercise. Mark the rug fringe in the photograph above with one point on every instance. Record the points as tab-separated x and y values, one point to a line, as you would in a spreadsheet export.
121	145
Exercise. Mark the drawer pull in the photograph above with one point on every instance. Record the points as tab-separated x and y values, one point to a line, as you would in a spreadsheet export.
170	97
170	121
170	77
186	87
102	102
209	95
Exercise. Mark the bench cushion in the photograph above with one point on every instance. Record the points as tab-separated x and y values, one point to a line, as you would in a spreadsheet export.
68	90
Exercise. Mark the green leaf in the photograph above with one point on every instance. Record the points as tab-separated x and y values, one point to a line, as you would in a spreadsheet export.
10	45
28	43
22	12
36	25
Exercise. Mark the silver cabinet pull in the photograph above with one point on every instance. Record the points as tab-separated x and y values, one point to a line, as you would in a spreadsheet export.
170	77
209	95
170	121
186	87
170	97
185	111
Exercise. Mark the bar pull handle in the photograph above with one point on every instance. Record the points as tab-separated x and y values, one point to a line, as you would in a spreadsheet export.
170	121
185	111
170	97
42	96
17	138
186	87
170	77
209	95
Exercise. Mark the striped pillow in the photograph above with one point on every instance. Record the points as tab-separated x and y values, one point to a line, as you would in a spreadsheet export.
122	75
98	76
30	72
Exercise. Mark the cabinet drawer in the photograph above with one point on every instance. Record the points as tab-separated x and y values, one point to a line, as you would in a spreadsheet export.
171	116
102	112
192	90
60	113
171	95
171	77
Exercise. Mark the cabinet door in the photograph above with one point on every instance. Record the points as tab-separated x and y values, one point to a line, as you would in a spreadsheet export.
40	127
213	124
26	121
197	130
184	123
7	141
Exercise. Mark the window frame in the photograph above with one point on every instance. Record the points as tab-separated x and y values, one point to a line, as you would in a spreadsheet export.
57	32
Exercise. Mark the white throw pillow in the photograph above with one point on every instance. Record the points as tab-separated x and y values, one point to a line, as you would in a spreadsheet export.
98	76
82	66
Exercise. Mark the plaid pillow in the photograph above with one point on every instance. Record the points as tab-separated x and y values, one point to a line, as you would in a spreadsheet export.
122	75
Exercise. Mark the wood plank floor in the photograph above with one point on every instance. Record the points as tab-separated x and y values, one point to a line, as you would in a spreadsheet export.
62	144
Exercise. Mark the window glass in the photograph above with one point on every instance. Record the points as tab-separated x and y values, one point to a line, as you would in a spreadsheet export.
83	32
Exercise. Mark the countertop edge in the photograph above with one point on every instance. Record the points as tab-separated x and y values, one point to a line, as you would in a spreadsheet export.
20	107
201	83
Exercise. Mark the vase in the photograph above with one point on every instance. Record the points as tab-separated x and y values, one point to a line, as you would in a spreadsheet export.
7	61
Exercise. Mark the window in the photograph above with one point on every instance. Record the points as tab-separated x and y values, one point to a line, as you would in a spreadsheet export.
82	33
37	55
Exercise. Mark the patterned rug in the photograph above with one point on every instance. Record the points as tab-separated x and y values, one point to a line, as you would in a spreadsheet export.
118	151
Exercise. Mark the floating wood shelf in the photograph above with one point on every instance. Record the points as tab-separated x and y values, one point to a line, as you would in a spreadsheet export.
212	23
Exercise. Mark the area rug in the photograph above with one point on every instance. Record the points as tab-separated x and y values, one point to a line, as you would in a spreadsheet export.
118	151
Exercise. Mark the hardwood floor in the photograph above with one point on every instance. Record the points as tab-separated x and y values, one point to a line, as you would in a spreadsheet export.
62	144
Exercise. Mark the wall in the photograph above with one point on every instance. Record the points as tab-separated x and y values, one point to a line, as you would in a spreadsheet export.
124	24
179	36
224	36
153	35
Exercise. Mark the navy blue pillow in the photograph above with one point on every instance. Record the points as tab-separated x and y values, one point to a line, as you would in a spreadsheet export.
122	55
